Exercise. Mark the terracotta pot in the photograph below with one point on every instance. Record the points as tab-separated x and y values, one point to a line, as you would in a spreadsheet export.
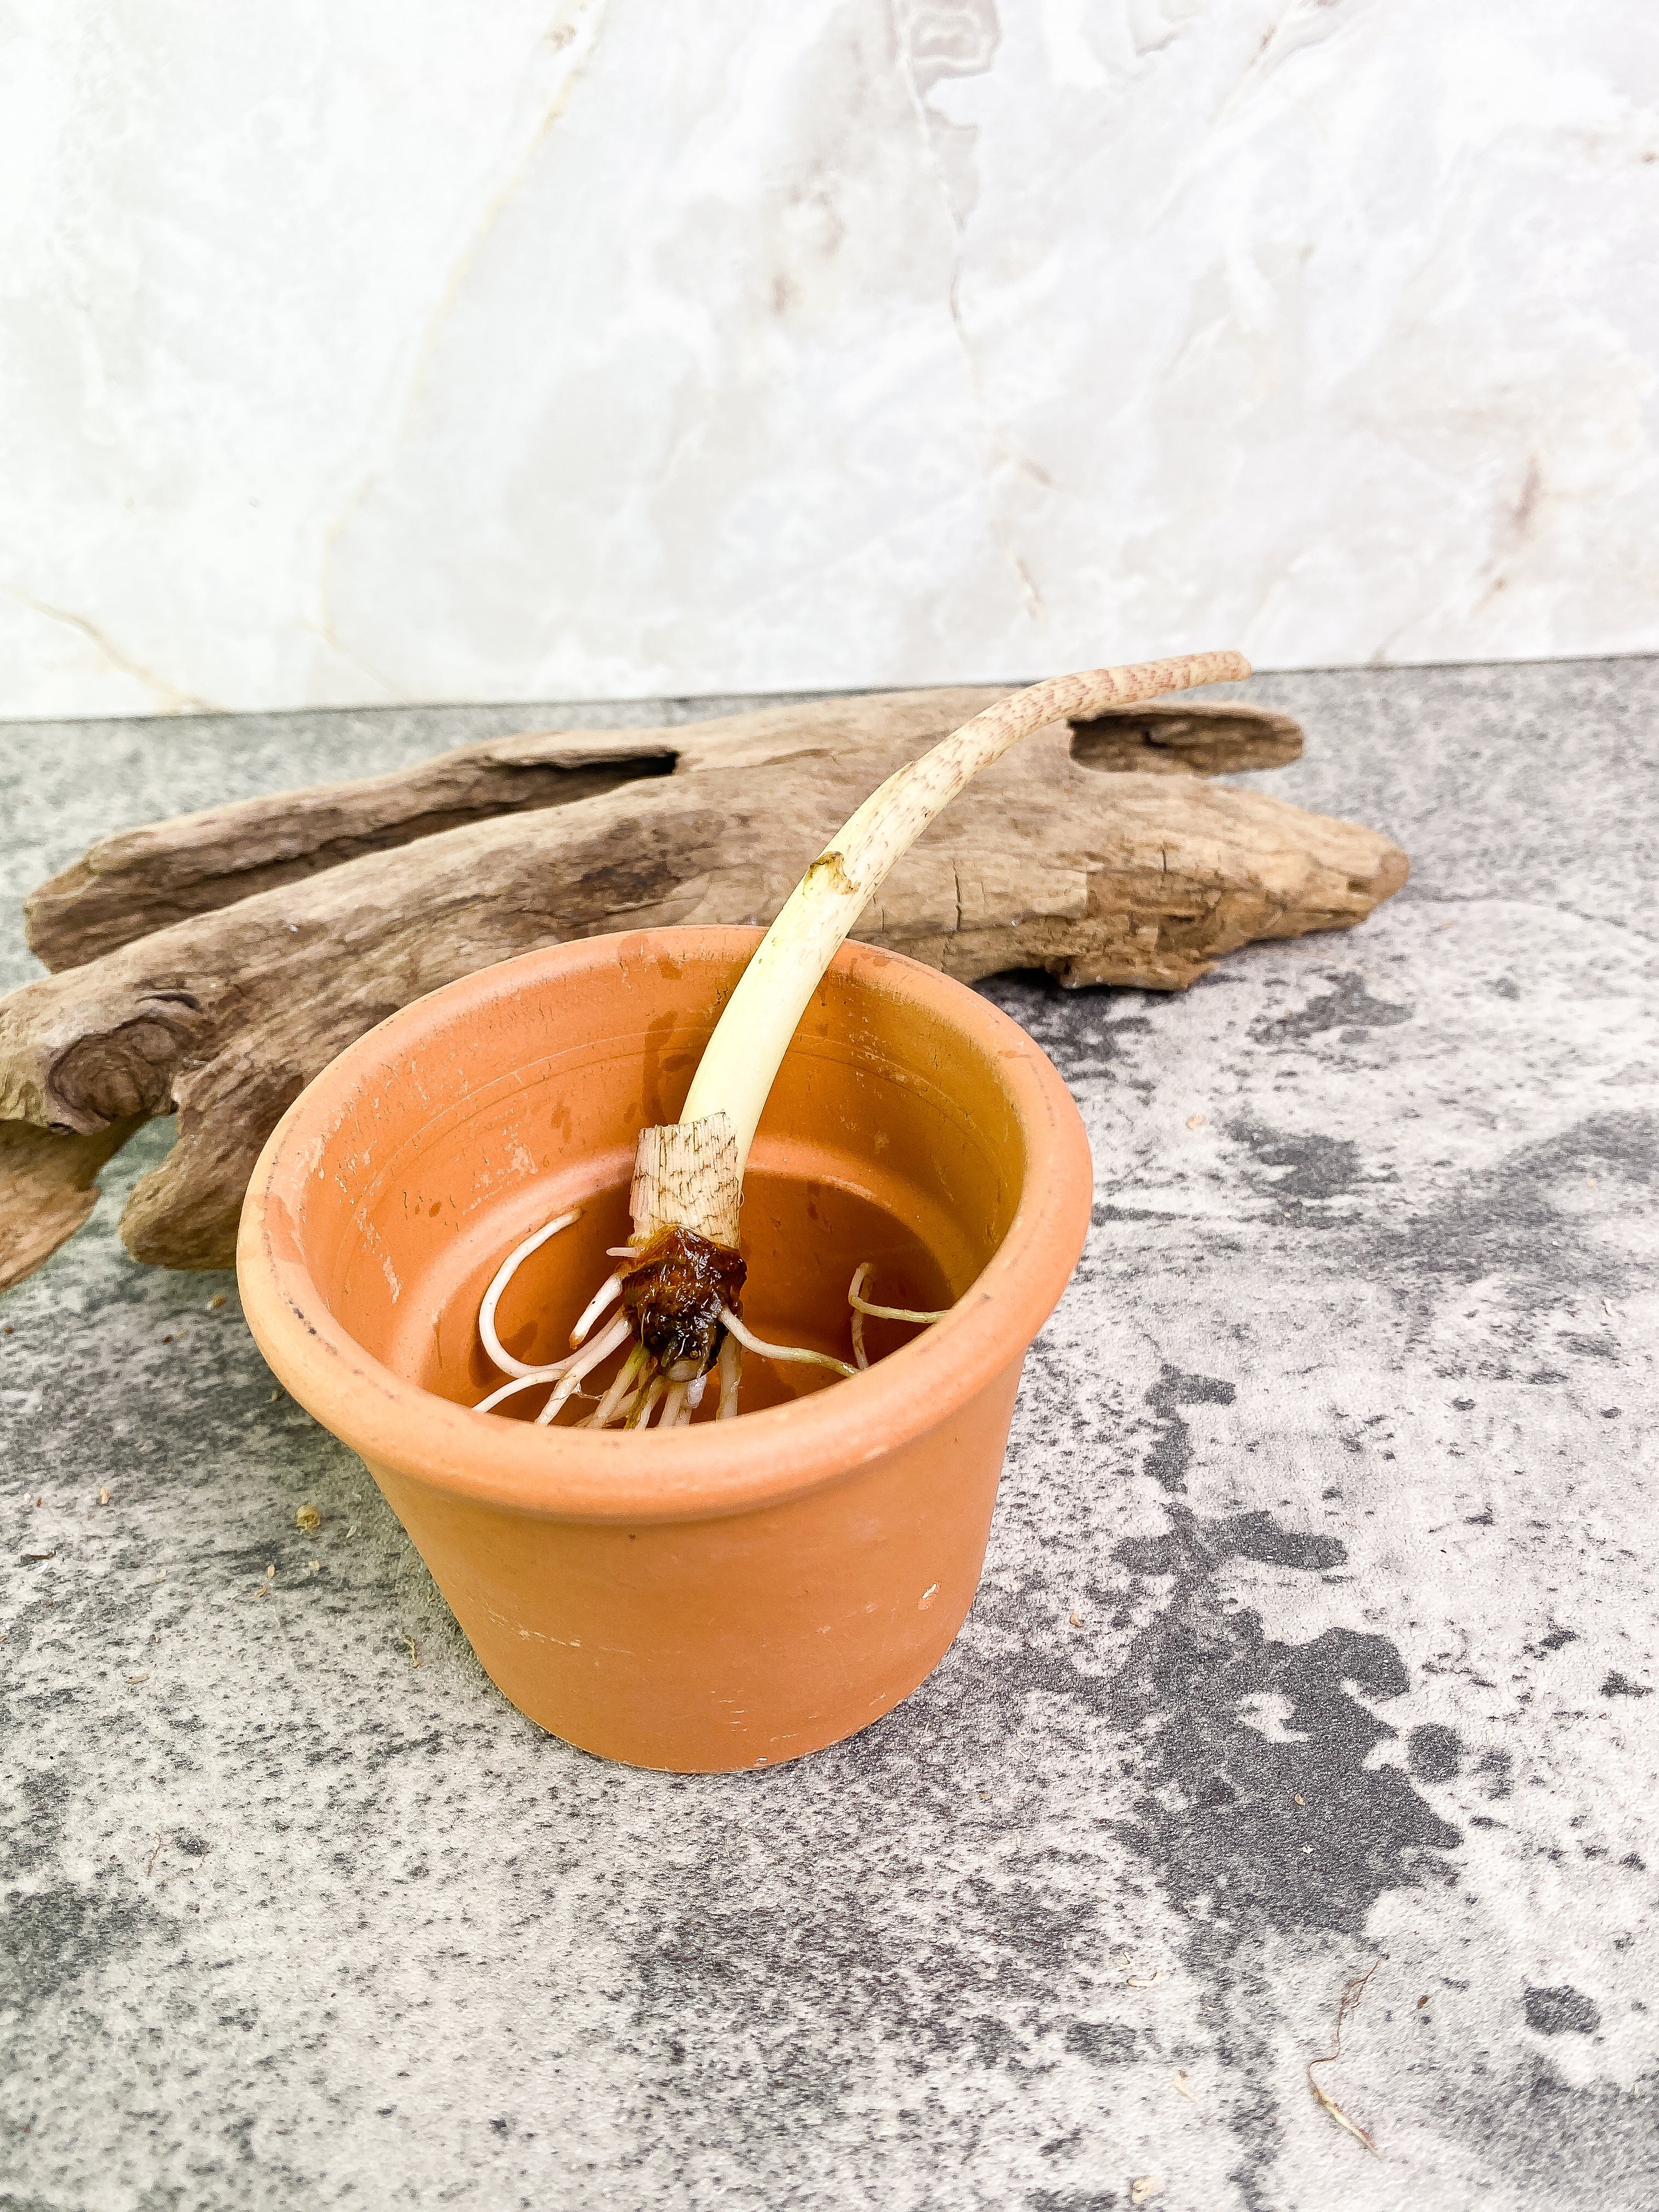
720	1597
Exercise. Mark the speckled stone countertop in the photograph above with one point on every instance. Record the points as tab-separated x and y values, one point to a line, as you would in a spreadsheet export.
1316	1635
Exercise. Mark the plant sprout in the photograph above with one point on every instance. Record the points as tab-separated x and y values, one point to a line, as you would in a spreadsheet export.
679	1278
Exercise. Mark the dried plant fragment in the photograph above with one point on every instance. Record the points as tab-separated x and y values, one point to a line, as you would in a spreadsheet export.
1349	2004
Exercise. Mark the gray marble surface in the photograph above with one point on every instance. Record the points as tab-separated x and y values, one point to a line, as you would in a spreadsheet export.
1316	1638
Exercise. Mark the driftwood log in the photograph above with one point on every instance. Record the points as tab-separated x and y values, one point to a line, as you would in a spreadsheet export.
141	880
211	966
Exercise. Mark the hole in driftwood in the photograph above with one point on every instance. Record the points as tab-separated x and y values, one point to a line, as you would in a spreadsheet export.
1215	740
515	790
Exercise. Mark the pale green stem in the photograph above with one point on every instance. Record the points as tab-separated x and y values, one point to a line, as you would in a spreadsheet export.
742	1058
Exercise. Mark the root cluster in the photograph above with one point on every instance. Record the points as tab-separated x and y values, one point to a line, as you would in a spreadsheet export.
678	1323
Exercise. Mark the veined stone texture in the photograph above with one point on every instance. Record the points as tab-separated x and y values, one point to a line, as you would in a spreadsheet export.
600	348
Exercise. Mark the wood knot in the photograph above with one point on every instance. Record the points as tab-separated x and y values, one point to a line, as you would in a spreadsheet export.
114	1077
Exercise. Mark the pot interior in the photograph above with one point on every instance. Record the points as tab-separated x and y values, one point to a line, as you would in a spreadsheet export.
476	1115
802	1237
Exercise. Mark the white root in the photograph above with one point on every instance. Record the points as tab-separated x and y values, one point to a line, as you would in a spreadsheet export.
509	1267
618	1413
859	1273
622	1388
862	1305
669	1416
610	1340
611	1288
750	1342
510	1389
644	1400
731	1375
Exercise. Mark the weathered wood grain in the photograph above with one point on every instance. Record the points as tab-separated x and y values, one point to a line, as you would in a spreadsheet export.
48	1187
139	880
143	879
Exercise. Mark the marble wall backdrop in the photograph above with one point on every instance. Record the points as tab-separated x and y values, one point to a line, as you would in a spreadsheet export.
375	349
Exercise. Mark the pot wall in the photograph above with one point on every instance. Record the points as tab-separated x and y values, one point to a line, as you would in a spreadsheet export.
739	1642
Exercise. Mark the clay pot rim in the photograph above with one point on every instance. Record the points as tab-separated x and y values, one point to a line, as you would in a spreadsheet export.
697	1473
